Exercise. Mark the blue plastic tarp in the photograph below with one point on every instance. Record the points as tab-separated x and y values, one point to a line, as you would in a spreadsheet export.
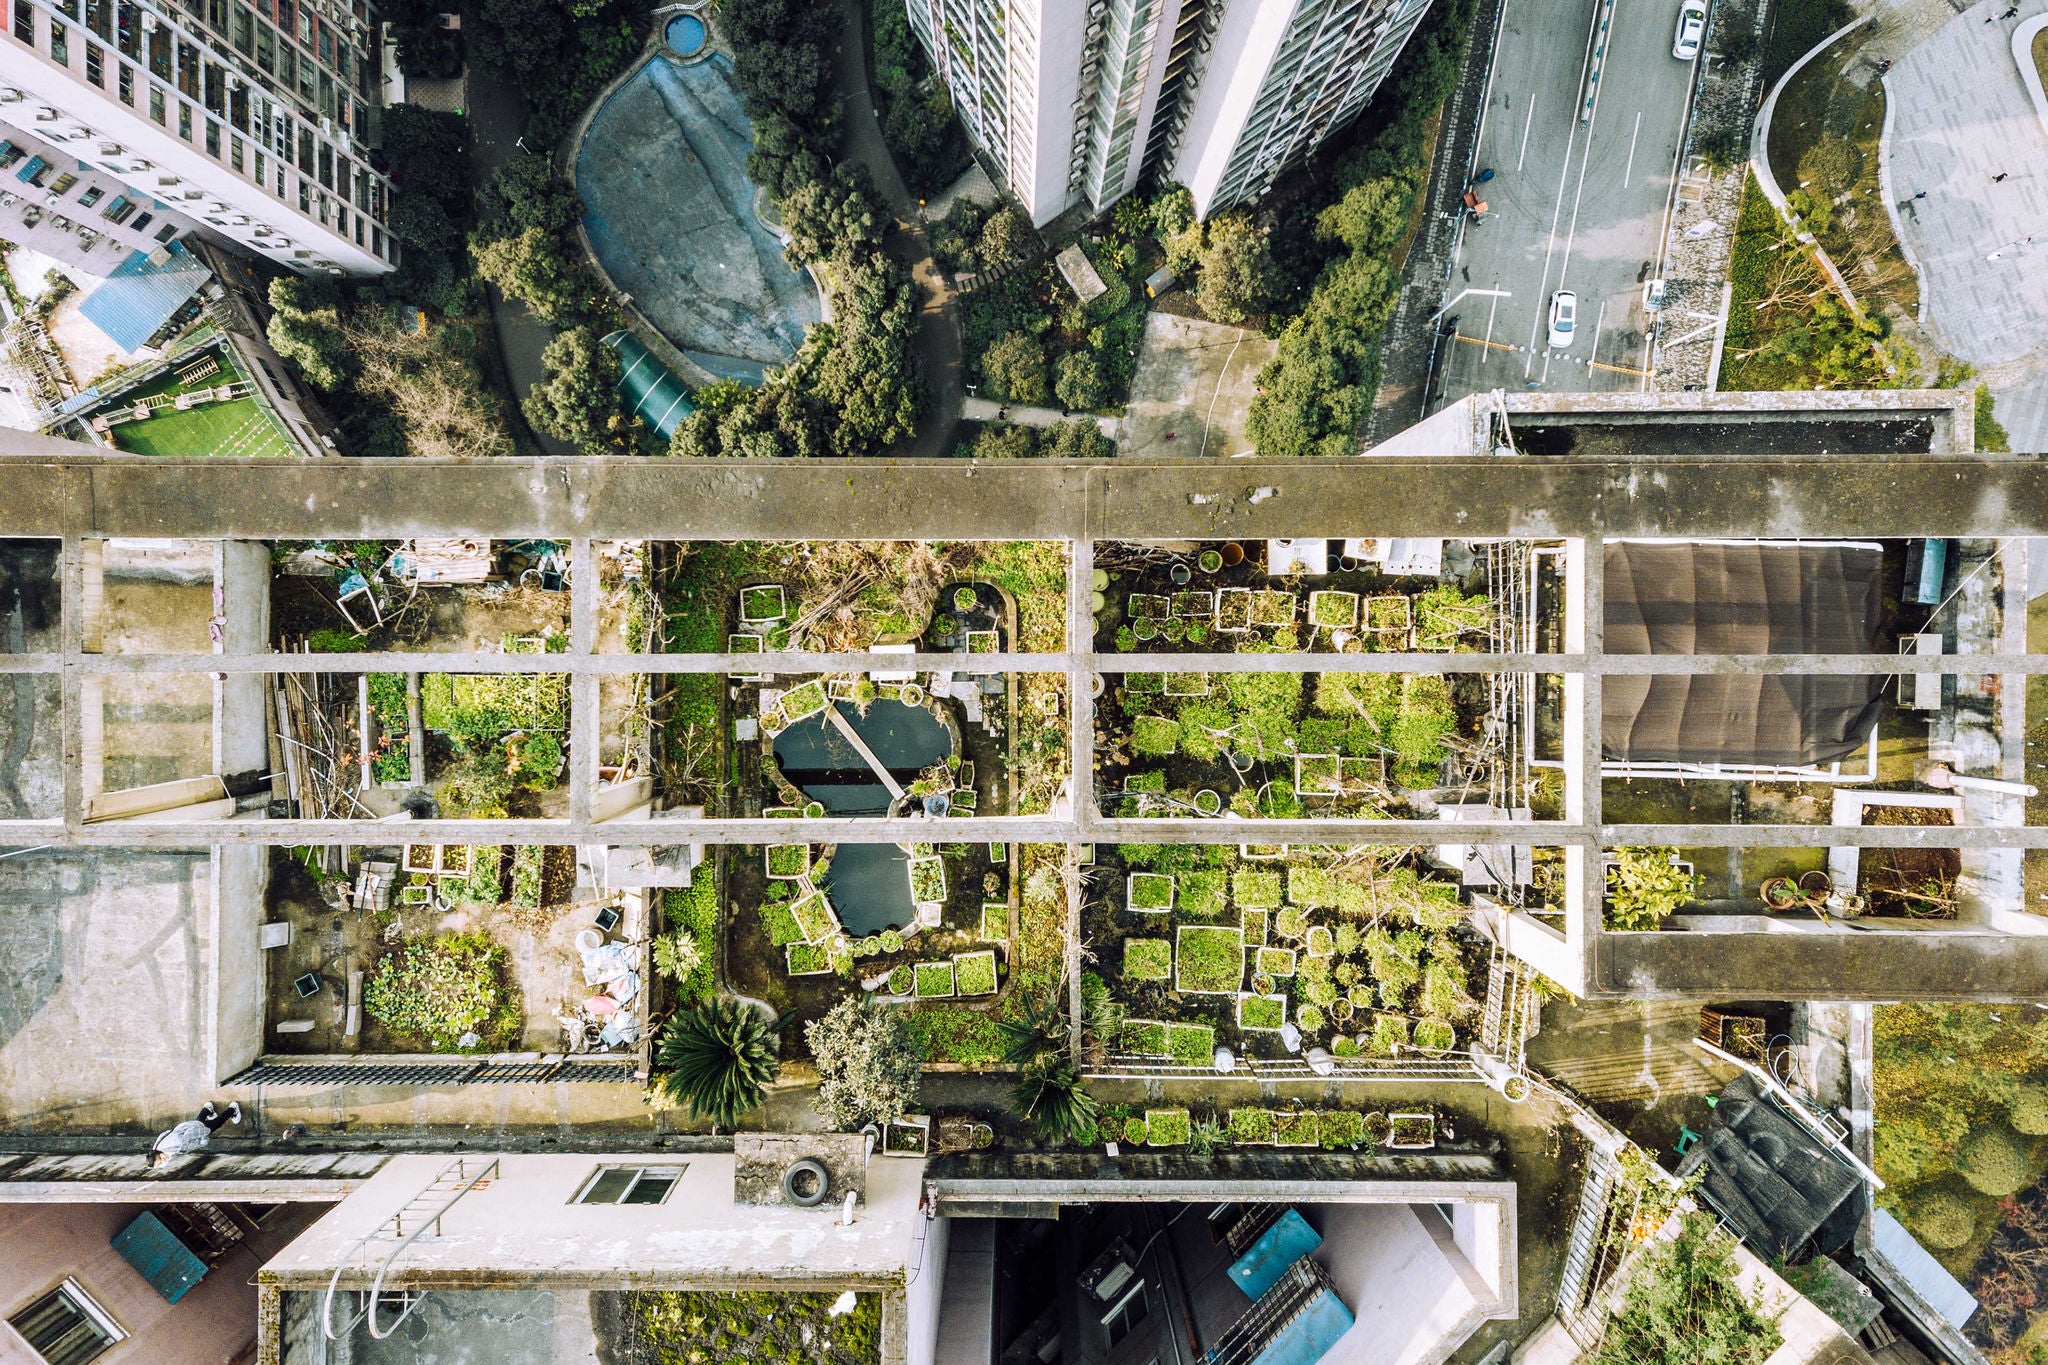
1310	1335
159	1257
142	294
1921	1270
1280	1246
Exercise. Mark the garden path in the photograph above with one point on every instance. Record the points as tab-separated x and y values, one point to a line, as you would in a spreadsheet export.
1960	114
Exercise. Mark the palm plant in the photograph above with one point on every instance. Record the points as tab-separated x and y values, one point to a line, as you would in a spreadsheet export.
716	1058
1040	1029
1049	1096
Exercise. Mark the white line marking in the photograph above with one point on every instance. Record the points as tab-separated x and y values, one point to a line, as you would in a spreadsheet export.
1491	310
1550	245
1523	155
1598	323
1578	197
1630	169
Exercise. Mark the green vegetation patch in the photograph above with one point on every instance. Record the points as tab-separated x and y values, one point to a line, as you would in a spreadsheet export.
1435	1035
1252	1127
803	701
1166	1127
1341	1129
814	918
1155	736
808	959
780	923
1148	959
788	861
1191	1044
995	922
1261	1013
934	980
1299	1129
927	879
693	909
785	1328
1274	962
1208	959
1149	892
435	990
1684	1304
1144	1037
1255	889
975	973
1201	894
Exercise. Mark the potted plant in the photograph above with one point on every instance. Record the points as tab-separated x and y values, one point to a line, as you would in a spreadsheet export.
1262	984
963	599
1180	574
1208	802
1210	561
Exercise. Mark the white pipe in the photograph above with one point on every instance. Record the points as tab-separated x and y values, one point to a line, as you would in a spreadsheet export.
1944	779
846	1217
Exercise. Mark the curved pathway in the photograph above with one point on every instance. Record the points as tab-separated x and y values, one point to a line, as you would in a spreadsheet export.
938	334
1963	114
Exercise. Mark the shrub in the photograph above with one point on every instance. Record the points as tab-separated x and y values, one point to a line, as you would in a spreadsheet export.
716	1059
807	959
1683	1305
1200	894
1014	370
1256	890
781	924
1940	1219
1644	888
868	1065
2029	1111
1342	1128
1148	959
1994	1162
676	955
1155	736
1166	1127
1389	1031
438	989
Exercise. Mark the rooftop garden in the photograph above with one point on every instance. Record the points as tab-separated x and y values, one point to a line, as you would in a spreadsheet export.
1283	745
1237	597
1266	950
790	1329
340	597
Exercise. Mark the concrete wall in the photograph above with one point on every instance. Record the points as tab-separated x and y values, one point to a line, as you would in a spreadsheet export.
923	1295
241	700
1409	1289
213	1322
241	877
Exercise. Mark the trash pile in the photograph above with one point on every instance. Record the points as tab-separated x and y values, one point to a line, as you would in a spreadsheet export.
612	1012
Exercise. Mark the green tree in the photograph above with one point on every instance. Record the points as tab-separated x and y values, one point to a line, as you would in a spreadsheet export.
782	158
1079	383
1645	888
1994	1162
1080	439
532	267
1014	369
1237	273
717	1059
832	216
1004	441
1006	240
1684	1307
1173	212
1940	1219
305	328
526	193
578	400
868	1064
1050	1097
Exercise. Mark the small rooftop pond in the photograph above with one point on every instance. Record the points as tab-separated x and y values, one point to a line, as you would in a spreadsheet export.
674	220
818	758
870	888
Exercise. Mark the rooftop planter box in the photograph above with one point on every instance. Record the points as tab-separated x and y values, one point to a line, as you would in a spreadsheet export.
1390	615
1275	962
1297	1129
814	917
1208	959
1200	895
1234	610
788	862
762	603
1148	893
1411	1132
906	1137
995	922
1254	927
1321	942
1191	1044
934	980
808	959
1435	1035
1261	1013
1195	606
1342	1129
927	880
1252	1127
420	858
1317	775
1313	888
1143	1038
1155	736
803	701
1186	685
743	644
983	642
1166	1127
1333	610
1145	606
1273	608
1148	959
1255	890
975	973
1443	615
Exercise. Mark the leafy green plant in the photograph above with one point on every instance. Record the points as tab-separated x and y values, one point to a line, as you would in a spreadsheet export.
934	980
788	860
1251	1126
1261	1013
526	870
902	980
676	954
1298	1129
1940	1219
438	989
1166	1127
716	1059
1994	1162
1155	736
1389	1034
868	1064
1684	1305
1050	1097
975	973
1190	1044
1208	959
1645	887
1341	1129
1149	891
1435	1035
1255	889
807	959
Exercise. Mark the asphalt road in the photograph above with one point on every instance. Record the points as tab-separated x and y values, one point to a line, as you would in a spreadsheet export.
1572	206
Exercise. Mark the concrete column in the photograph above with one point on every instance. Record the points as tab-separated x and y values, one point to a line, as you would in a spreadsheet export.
241	728
241	879
585	723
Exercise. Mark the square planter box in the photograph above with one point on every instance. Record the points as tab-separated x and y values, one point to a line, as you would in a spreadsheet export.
1148	893
1411	1132
1145	606
1234	610
1274	608
1261	1013
1195	606
1333	610
907	1136
763	603
1317	774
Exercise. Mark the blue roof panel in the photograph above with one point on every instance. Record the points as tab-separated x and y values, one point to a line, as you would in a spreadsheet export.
141	295
1311	1335
159	1257
1280	1246
1921	1270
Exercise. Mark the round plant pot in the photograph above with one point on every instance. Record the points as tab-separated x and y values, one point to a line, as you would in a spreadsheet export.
1180	574
1515	1089
1779	893
1233	555
1208	802
1210	561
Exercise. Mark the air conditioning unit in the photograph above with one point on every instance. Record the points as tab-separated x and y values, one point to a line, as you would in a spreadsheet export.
9	95
110	149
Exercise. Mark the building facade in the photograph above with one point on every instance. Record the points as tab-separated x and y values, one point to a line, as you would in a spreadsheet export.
1077	101
249	122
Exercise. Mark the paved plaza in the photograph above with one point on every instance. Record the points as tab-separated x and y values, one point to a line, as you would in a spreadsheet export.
1960	114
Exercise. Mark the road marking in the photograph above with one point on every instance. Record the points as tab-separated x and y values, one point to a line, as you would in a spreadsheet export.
1630	169
1598	323
1523	155
1578	197
1485	343
1550	245
1615	369
1461	294
1494	308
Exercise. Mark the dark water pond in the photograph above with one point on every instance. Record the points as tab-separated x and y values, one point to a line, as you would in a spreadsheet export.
870	888
816	757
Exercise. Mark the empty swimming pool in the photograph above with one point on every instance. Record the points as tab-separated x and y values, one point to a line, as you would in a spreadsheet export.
818	759
870	888
671	216
685	35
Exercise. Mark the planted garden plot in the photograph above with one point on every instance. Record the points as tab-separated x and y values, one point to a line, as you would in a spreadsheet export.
1208	959
927	880
975	973
1262	1013
934	980
1166	1127
1333	610
1148	959
787	862
1149	893
995	922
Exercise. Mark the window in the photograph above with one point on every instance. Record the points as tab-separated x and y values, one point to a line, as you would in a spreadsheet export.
166	232
25	24
118	211
127	84
95	65
235	154
65	1327
1127	1315
142	221
184	120
60	45
213	139
156	103
63	183
629	1185
92	195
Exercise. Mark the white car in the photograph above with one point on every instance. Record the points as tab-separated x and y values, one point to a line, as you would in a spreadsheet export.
1564	316
1692	23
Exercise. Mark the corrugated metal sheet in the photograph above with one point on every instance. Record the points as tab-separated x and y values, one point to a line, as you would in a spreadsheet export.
142	293
159	1257
650	391
1309	1335
1278	1247
1921	1270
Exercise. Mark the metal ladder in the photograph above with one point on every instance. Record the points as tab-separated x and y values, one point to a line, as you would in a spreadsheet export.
1584	1255
1504	1030
423	1211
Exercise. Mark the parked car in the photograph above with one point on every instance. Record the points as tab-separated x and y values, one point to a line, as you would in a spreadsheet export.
1564	316
1692	24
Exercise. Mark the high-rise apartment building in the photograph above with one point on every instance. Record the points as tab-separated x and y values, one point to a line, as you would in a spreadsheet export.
247	120
1076	101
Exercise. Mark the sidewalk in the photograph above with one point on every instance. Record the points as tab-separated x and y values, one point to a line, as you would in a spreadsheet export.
984	410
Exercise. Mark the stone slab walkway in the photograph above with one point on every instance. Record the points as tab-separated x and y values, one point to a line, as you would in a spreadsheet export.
1960	115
